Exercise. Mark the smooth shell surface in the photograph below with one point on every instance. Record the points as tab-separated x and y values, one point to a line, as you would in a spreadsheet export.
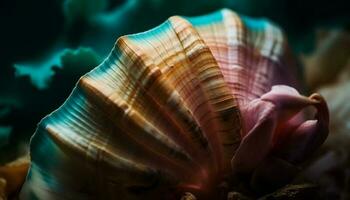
169	110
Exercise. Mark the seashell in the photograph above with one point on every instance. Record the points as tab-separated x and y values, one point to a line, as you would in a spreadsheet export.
176	109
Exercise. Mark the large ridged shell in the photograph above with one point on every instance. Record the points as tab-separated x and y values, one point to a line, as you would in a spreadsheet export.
161	113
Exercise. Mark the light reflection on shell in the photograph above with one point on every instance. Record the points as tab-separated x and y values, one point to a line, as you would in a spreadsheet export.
176	108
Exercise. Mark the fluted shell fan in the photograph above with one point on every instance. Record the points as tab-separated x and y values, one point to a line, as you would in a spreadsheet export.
177	108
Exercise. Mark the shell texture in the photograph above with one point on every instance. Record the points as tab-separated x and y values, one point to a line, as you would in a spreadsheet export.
176	108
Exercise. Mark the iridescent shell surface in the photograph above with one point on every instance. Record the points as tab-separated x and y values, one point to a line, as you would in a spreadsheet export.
177	108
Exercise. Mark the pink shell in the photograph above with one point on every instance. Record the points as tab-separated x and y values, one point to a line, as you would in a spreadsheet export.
177	108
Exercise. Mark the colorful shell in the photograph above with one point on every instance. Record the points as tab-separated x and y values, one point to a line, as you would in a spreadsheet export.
177	108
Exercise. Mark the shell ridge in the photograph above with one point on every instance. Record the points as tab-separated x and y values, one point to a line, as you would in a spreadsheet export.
201	67
167	155
140	35
199	135
210	139
163	92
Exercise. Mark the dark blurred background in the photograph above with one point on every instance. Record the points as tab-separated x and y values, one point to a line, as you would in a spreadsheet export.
46	45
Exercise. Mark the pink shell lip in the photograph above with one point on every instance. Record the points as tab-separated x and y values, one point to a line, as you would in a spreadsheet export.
275	124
